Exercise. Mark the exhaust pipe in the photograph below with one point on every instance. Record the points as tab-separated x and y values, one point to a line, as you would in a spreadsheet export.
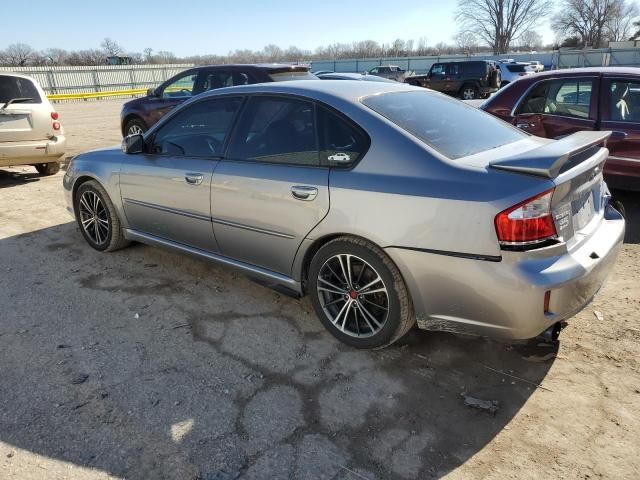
552	333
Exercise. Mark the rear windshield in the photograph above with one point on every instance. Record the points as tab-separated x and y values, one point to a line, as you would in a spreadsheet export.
292	75
18	87
516	68
447	125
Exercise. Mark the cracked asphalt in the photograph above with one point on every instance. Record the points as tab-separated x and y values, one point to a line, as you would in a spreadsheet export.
147	364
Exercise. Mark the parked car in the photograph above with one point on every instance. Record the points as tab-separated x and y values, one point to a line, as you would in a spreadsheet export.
30	130
392	72
139	115
560	102
352	76
467	80
510	72
536	66
320	72
474	227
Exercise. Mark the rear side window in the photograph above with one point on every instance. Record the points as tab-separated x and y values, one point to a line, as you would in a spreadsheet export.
18	87
293	75
624	101
516	68
447	125
341	142
276	130
199	130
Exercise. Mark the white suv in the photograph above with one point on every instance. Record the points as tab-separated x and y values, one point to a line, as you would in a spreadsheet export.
30	131
512	71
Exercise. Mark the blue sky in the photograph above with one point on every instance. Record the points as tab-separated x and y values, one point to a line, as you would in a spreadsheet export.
214	26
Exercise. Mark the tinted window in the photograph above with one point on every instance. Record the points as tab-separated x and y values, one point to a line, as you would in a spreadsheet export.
198	130
516	68
181	87
341	142
449	126
624	101
276	130
17	87
454	69
284	76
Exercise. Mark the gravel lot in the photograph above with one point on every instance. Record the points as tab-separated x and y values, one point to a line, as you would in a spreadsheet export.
148	364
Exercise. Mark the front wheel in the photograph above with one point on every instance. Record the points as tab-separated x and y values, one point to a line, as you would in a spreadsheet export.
46	169
97	218
134	127
359	294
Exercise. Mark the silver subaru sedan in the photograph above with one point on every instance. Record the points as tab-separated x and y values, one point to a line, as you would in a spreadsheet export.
390	205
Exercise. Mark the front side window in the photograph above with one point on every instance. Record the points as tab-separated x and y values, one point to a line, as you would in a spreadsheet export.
198	130
449	126
624	101
341	143
276	130
570	98
437	69
181	87
17	87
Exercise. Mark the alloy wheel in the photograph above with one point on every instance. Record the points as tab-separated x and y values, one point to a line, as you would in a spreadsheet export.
94	218
468	94
135	129
353	295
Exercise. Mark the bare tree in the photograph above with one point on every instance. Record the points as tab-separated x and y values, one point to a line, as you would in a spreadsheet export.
18	54
499	22
465	41
423	46
530	40
55	56
595	21
111	47
621	21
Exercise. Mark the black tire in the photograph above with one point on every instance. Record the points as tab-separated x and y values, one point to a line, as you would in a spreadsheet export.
469	92
134	126
46	169
399	317
113	238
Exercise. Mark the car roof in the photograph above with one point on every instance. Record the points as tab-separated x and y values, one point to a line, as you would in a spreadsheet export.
266	66
590	71
350	91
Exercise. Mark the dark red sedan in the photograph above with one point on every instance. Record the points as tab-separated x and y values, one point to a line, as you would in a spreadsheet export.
560	102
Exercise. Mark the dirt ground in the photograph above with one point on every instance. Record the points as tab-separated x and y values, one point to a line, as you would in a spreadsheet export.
146	364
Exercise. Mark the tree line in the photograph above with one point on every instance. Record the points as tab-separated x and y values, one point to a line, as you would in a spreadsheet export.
484	26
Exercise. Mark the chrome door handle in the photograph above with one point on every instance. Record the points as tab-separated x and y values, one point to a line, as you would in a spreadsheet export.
300	192
524	126
193	178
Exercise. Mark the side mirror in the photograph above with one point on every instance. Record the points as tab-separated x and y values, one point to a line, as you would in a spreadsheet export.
152	92
133	144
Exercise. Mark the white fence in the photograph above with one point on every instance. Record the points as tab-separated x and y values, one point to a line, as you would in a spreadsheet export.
61	80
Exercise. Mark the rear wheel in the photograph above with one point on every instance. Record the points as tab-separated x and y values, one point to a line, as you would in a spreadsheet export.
46	169
134	126
359	294
97	218
469	92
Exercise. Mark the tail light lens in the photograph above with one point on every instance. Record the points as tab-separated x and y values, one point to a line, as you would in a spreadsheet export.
56	125
54	115
528	222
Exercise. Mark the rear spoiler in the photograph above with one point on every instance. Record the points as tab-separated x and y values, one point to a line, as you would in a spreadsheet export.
548	160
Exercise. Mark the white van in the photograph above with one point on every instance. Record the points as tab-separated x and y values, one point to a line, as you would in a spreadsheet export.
30	131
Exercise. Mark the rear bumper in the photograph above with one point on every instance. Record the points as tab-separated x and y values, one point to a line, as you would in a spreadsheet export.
26	153
506	298
622	173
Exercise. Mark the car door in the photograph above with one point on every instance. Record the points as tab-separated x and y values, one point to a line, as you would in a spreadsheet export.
620	113
270	189
172	94
453	82
560	107
437	77
166	191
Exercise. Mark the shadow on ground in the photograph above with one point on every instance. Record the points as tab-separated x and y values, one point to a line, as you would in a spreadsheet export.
631	206
11	178
148	364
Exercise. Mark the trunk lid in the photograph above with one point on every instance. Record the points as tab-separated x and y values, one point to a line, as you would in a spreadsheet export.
574	164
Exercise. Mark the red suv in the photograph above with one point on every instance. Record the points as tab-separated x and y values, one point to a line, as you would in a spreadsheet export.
139	115
560	102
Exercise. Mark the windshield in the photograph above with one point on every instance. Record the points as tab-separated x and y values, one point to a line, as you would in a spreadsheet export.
17	87
293	75
447	125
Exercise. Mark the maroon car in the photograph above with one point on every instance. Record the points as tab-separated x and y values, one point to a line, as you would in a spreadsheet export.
139	115
560	102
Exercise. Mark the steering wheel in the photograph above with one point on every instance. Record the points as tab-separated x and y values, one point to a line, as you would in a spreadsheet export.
186	91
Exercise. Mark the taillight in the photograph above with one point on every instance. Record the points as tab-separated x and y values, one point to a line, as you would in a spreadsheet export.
528	222
54	115
56	125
